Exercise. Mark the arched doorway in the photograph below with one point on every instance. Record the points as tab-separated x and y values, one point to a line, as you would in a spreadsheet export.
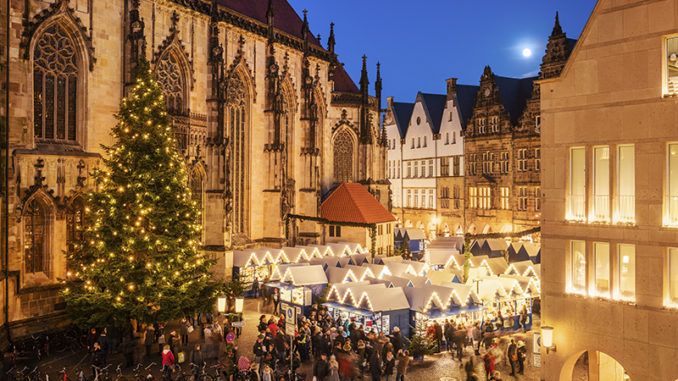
593	366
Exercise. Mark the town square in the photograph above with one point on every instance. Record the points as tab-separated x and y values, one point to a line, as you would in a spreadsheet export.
338	190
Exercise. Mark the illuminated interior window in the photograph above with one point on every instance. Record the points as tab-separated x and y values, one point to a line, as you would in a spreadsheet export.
671	213
601	252
671	54
601	184
626	187
673	274
578	266
473	197
504	198
627	271
577	200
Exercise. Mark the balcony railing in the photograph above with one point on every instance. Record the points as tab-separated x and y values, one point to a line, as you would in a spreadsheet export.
626	209
577	210
601	208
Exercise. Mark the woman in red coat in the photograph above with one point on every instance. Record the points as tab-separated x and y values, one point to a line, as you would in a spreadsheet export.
167	362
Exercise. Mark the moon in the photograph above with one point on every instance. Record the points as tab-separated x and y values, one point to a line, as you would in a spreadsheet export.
527	52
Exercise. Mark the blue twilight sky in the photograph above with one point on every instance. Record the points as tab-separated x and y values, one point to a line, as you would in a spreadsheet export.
422	43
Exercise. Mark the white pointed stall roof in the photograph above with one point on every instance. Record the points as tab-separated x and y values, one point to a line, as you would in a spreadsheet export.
338	290
489	289
443	257
438	277
361	272
378	270
522	268
340	249
388	299
419	267
326	251
412	281
279	270
326	262
358	259
340	275
296	254
496	266
443	297
244	258
313	252
355	247
526	286
305	275
400	269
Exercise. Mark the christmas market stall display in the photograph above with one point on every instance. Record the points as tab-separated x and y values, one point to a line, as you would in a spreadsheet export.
300	285
355	247
279	270
496	300
376	308
495	266
524	251
340	275
400	269
438	259
477	247
429	303
414	239
340	249
447	243
358	259
493	248
326	262
419	267
520	291
326	251
349	293
248	264
298	254
379	259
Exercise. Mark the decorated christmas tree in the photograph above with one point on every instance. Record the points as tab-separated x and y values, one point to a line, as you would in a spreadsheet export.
140	255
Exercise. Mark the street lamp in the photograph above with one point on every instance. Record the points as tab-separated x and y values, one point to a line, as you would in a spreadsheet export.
221	304
239	301
547	338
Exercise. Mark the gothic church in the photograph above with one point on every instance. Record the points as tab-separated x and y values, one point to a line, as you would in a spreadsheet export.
266	116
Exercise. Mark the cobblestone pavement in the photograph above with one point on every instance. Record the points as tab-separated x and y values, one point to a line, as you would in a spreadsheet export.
437	367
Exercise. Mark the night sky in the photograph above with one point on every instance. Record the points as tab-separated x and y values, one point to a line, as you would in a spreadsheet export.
422	43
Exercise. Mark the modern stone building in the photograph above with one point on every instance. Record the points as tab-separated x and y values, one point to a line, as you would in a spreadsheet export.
266	116
610	185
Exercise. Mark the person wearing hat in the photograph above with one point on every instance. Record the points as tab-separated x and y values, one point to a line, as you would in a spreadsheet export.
396	340
522	356
321	369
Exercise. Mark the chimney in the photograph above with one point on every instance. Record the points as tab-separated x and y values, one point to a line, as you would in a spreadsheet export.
451	88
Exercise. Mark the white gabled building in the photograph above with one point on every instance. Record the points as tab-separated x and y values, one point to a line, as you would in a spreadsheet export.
425	158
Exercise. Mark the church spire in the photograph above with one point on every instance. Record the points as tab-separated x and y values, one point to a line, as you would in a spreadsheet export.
305	31
270	20
557	30
364	81
378	85
330	40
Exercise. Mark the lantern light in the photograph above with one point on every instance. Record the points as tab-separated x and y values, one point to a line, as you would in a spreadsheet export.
221	304
239	302
547	338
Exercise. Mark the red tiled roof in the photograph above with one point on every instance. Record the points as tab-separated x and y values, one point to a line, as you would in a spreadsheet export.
285	17
343	82
351	202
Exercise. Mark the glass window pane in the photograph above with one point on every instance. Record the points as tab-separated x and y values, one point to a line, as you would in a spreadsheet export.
577	183
578	265
672	207
601	183
601	251
673	274
627	270
626	189
672	64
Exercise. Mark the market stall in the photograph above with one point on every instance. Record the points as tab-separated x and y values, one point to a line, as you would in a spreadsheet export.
297	254
420	268
448	275
400	269
326	251
456	302
326	262
358	259
340	275
248	264
412	281
524	251
279	270
299	286
355	247
523	268
439	259
378	270
520	291
377	308
340	249
361	272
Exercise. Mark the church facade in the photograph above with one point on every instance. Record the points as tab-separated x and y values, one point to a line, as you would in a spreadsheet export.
265	115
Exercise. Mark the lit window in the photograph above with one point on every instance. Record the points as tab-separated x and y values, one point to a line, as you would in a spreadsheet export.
454	137
522	160
537	199
485	198
627	271
601	252
626	189
537	159
671	214
671	63
577	196
447	134
472	197
578	266
522	198
672	267
504	198
601	184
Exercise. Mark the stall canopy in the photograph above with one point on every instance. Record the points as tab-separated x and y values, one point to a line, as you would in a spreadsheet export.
400	269
438	277
524	251
522	268
520	286
340	275
297	254
422	299
354	247
414	238
413	281
350	293
419	267
489	289
312	251
455	243
361	272
340	249
494	248
387	299
443	258
326	251
278	272
495	266
378	270
305	275
326	262
358	259
477	247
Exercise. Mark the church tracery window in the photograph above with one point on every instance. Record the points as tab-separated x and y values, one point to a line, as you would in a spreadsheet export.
55	85
171	79
35	237
75	218
343	157
237	121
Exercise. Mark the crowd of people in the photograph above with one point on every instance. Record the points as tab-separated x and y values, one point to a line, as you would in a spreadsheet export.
340	349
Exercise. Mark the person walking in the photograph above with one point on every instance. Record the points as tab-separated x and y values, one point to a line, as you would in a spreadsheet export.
255	287
167	363
489	362
321	368
403	362
396	340
276	300
375	366
184	331
389	366
334	369
512	354
522	356
98	359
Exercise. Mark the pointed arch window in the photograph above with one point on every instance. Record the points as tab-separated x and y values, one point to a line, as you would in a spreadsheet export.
237	119
56	70
36	226
173	83
197	187
343	157
75	219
